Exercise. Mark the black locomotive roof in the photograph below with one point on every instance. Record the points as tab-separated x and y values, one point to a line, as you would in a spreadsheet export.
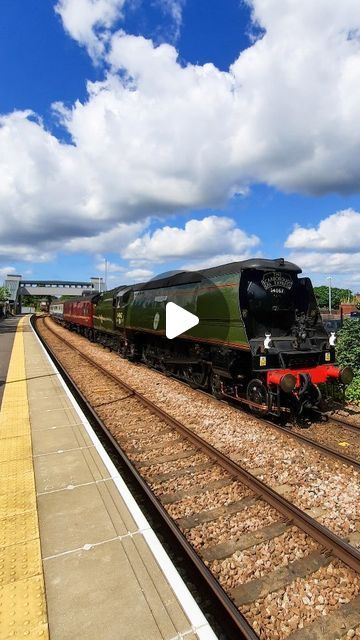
111	293
260	264
184	277
189	277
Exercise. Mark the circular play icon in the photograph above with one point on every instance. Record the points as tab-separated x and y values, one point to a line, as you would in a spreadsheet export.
178	320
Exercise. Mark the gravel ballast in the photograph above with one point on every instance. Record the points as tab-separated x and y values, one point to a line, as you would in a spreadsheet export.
327	489
231	517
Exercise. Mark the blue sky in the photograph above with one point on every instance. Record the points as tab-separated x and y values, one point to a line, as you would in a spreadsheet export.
211	131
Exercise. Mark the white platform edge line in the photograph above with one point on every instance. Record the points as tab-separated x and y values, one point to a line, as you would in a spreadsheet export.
196	617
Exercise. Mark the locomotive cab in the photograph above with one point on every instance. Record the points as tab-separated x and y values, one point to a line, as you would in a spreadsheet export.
120	304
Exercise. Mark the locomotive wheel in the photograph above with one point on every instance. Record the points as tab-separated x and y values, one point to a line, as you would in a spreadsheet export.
132	353
148	357
257	392
215	386
195	376
122	350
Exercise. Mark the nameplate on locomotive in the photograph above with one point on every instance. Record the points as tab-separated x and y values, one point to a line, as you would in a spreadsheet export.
276	282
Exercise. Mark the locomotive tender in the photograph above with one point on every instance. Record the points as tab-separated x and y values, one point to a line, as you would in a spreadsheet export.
260	339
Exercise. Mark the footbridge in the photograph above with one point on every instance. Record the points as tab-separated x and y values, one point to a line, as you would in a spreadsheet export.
20	288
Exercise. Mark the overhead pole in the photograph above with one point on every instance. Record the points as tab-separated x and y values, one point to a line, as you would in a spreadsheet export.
329	278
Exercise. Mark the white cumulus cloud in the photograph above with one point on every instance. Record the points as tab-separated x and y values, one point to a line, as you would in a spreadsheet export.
89	21
199	240
138	275
338	232
156	137
113	240
333	247
327	262
344	268
175	9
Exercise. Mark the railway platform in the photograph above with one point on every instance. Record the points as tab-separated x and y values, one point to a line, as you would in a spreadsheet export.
78	559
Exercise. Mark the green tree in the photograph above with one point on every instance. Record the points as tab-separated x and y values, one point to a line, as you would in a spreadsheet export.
29	301
4	294
348	353
337	296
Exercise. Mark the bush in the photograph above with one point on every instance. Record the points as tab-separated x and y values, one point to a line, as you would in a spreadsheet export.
348	353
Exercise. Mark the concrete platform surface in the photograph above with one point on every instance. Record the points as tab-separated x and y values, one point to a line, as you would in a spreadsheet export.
22	593
7	333
106	575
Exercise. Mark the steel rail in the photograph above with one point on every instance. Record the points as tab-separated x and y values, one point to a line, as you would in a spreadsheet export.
242	625
347	425
333	453
323	448
326	538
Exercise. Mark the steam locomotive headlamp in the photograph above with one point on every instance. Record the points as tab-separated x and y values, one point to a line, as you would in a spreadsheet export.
346	375
288	383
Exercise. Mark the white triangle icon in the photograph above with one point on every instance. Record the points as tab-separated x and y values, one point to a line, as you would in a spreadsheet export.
178	320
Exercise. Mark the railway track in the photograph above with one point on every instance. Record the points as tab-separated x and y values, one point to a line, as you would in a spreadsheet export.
349	425
299	434
333	437
316	438
254	548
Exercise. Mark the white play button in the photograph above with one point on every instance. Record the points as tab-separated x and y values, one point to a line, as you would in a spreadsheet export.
178	320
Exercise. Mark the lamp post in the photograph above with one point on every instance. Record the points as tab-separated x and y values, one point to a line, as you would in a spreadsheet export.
329	278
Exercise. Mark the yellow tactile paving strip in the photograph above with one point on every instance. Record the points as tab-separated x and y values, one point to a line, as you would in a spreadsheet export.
22	593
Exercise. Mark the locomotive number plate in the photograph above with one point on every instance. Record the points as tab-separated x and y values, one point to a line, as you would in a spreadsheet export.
276	282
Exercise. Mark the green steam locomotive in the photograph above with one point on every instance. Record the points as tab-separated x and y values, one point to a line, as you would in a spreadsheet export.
260	338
